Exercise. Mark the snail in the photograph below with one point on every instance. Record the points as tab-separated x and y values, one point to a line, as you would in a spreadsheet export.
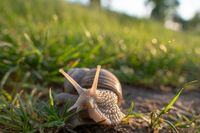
99	94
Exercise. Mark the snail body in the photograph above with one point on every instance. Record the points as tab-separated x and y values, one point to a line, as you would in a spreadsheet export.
99	93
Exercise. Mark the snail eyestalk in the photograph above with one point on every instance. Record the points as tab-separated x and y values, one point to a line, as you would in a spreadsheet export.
95	82
72	81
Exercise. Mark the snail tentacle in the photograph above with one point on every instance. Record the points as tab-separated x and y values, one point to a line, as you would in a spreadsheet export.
72	81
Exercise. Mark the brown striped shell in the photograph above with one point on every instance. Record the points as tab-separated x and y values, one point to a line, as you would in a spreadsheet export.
84	77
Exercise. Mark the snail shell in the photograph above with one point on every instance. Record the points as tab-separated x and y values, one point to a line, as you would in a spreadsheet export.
84	77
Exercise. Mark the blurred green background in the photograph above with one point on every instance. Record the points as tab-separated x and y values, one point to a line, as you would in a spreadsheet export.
37	37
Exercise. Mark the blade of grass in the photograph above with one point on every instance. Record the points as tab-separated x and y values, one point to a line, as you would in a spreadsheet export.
131	108
51	102
166	109
3	81
171	125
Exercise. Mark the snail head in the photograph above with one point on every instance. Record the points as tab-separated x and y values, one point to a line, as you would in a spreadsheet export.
86	96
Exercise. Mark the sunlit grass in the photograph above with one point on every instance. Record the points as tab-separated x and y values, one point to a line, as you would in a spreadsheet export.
35	43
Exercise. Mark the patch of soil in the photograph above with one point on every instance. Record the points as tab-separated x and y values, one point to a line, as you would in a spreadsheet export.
146	101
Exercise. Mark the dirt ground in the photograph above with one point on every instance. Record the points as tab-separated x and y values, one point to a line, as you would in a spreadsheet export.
147	100
150	99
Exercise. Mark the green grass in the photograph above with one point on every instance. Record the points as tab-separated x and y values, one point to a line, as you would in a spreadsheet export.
39	37
28	113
